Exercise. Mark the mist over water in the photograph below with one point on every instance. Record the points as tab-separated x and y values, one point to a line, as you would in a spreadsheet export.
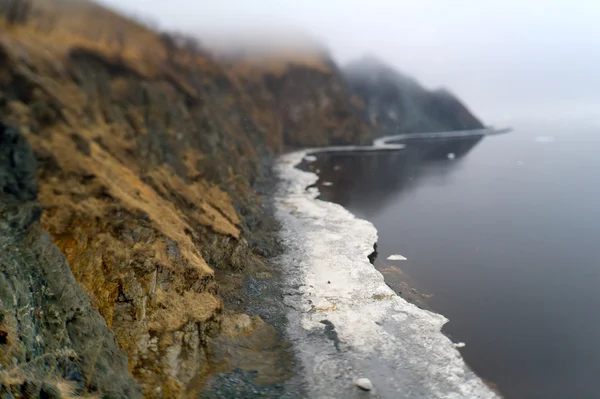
503	237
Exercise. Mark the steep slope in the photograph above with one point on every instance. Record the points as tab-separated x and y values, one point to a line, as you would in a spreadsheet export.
309	96
52	340
154	161
395	103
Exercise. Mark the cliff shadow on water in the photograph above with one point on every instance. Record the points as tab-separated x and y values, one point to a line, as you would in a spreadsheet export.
364	182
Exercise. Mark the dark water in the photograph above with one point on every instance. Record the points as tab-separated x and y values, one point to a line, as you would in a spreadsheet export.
506	237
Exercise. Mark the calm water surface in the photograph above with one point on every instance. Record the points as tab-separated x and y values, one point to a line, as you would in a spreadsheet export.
506	238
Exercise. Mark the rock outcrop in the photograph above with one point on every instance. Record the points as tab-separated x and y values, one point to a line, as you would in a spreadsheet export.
307	94
53	342
395	103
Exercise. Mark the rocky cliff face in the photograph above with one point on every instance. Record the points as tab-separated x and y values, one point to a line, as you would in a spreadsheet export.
153	165
53	341
395	103
308	95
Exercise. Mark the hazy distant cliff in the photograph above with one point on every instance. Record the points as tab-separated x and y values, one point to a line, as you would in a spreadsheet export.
395	103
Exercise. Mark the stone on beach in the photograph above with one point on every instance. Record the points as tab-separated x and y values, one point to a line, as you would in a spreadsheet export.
364	383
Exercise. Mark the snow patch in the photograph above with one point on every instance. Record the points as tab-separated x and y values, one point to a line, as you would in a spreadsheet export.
343	320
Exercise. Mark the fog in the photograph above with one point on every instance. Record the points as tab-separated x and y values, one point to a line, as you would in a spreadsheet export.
507	60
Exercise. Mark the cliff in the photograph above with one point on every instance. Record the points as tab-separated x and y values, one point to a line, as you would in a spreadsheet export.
52	340
308	94
395	103
149	222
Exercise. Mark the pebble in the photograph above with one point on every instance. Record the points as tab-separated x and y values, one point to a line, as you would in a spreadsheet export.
364	383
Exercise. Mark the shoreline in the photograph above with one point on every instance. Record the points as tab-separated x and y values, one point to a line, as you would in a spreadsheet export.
258	293
253	358
344	321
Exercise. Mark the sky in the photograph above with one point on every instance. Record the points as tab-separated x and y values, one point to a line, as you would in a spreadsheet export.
506	59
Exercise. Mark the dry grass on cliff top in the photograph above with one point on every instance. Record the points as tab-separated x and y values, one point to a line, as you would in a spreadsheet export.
58	27
61	25
278	64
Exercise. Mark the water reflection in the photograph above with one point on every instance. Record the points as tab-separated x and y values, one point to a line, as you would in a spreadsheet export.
506	241
364	182
367	182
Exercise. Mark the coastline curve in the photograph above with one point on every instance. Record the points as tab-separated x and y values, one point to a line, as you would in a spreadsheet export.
343	320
